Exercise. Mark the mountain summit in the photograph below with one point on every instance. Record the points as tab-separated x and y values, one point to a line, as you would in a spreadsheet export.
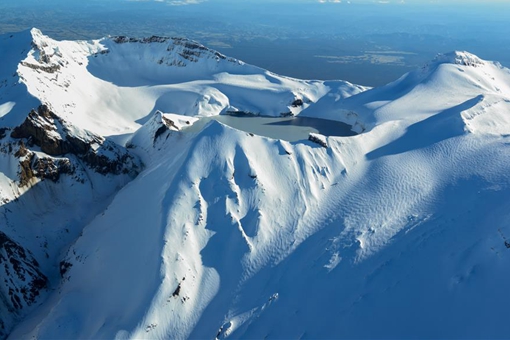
128	210
459	58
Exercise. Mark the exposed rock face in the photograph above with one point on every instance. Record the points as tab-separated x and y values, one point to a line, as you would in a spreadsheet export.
319	139
154	39
32	165
45	63
22	281
25	170
41	127
161	123
166	124
57	138
297	103
45	147
51	168
47	69
187	49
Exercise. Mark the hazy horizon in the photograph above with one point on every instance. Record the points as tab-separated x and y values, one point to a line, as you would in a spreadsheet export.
365	42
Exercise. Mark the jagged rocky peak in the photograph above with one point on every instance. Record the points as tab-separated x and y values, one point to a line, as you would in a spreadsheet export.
45	55
22	281
39	40
55	137
37	35
459	58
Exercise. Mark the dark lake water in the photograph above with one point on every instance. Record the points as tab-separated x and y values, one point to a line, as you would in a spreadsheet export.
291	129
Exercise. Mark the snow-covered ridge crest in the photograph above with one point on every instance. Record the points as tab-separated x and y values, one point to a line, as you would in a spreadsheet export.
459	58
162	60
44	48
45	54
110	86
188	50
444	83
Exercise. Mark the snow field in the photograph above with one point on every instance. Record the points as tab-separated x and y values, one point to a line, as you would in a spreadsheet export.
396	232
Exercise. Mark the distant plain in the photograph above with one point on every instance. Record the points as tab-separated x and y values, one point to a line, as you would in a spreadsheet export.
367	43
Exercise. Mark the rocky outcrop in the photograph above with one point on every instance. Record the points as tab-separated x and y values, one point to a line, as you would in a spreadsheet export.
319	139
55	137
22	282
46	148
51	168
187	50
44	68
121	39
41	128
25	170
44	61
161	123
32	165
297	103
166	124
46	130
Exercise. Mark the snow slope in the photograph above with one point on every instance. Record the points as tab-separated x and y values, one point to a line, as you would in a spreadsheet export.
402	231
54	178
111	86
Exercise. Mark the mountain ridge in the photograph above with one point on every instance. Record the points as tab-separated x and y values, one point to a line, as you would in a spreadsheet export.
223	232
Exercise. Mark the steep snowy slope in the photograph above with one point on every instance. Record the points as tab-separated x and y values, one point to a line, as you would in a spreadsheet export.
402	231
57	169
54	178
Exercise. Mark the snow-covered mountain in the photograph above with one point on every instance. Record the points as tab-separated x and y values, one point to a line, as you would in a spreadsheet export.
127	213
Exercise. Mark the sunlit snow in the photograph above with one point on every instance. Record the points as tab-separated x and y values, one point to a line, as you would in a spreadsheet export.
397	231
